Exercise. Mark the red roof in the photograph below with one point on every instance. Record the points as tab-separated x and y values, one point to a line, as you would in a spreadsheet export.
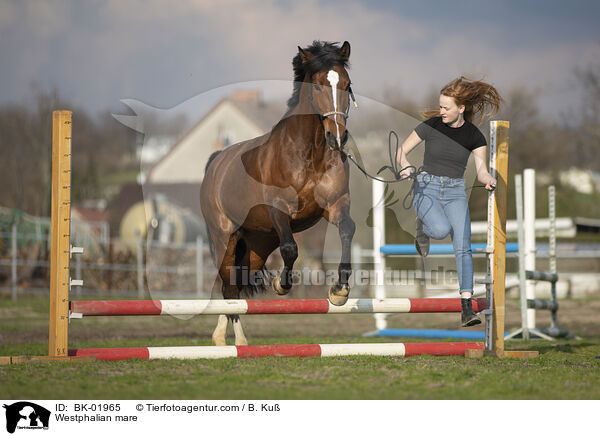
87	214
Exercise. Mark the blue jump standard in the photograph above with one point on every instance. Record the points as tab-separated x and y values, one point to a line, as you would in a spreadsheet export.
439	334
403	249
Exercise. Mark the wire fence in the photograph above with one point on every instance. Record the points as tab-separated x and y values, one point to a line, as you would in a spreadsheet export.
107	266
140	269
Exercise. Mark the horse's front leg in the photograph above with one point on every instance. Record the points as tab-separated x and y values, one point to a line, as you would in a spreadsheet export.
339	215
288	248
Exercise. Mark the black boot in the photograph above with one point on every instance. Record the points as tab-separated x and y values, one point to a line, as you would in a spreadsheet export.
469	318
421	240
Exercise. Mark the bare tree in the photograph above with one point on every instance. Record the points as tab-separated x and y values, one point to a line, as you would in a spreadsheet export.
26	145
588	134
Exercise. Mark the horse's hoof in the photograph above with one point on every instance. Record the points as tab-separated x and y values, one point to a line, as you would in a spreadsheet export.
339	296
277	286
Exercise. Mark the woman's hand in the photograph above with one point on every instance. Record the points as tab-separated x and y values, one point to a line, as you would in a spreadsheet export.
407	171
488	181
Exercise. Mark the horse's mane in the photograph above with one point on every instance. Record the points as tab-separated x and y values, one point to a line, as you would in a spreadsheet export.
326	56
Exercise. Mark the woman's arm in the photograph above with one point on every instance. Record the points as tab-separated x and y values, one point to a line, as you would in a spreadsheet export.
483	175
409	143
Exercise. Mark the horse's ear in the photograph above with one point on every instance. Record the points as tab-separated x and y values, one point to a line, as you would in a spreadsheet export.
345	51
305	55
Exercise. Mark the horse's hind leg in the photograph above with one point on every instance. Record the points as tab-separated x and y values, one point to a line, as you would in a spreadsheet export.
220	333
253	259
232	276
240	337
226	256
237	261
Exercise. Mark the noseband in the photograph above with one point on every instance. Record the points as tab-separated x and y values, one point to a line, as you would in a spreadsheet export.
322	116
343	114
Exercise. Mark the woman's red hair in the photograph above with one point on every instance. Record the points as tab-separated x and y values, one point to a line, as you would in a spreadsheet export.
479	98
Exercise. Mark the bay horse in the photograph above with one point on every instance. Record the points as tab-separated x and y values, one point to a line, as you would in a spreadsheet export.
257	193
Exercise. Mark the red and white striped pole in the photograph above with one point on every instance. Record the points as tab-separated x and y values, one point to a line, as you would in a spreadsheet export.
241	307
307	350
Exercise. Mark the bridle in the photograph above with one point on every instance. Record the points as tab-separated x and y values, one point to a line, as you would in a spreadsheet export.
322	115
326	114
343	114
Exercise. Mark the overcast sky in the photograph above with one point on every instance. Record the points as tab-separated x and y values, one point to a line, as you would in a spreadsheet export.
165	52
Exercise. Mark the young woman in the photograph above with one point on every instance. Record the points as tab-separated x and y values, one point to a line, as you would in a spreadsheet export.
440	201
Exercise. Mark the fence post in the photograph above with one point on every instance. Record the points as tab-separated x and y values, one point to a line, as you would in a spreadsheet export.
38	233
199	267
13	265
356	262
140	268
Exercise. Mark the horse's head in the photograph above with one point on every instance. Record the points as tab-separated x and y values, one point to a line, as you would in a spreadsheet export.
328	87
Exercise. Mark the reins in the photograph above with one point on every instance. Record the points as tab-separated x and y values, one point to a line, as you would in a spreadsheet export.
393	167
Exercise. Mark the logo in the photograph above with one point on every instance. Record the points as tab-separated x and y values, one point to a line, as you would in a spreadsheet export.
26	415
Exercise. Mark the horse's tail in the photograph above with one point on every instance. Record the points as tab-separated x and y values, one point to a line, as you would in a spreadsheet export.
252	282
211	247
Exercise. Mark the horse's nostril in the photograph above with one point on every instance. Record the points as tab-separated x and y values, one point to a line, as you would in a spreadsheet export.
344	137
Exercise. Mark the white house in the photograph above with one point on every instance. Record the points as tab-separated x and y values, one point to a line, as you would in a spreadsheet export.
239	117
584	181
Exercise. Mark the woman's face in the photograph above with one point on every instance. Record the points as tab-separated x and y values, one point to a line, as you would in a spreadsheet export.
449	111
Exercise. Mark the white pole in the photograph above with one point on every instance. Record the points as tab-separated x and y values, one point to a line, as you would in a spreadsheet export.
378	241
552	234
140	268
529	218
521	239
199	267
356	262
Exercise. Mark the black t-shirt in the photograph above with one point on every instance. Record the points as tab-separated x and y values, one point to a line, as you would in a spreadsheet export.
447	149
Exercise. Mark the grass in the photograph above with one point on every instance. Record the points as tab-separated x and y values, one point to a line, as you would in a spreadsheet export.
566	369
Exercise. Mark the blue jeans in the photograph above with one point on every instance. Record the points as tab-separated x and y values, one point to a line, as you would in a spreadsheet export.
441	203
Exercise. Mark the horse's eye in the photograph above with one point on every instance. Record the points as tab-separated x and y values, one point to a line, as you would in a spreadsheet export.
317	87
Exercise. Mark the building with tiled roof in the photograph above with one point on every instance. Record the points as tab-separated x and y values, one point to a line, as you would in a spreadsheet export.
236	118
